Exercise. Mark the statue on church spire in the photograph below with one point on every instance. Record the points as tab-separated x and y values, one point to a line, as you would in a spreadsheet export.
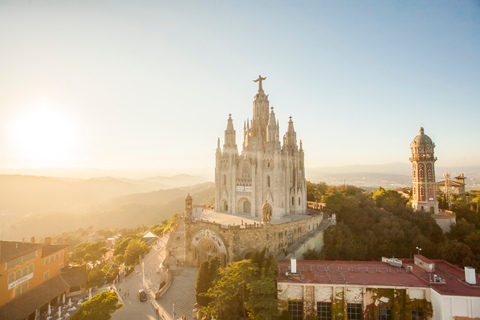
259	80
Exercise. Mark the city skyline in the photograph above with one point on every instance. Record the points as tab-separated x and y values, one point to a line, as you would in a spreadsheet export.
150	85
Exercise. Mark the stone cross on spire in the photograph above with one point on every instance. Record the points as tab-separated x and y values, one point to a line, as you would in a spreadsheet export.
259	80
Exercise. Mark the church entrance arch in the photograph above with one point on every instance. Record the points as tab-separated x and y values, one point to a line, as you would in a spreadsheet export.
244	206
207	244
206	249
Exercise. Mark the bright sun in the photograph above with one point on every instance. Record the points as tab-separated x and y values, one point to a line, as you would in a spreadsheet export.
44	135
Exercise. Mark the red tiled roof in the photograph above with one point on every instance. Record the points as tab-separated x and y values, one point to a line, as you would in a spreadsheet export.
350	272
372	273
424	259
12	249
48	249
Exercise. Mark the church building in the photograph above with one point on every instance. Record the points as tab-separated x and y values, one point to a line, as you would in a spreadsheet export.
260	197
268	171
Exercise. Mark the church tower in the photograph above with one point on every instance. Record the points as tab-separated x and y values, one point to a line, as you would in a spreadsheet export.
423	173
267	172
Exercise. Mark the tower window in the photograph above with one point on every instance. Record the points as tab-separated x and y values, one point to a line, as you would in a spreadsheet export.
268	180
293	201
224	179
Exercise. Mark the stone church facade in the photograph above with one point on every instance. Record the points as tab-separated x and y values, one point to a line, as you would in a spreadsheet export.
267	171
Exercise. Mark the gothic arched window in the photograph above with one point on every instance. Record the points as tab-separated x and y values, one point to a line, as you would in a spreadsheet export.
429	172
421	171
268	181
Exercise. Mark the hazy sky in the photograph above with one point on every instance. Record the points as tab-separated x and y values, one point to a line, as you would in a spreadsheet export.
150	84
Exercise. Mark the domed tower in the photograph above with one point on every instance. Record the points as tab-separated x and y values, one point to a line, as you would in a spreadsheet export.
423	173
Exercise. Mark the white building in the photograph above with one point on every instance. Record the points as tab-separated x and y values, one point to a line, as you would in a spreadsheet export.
394	289
268	170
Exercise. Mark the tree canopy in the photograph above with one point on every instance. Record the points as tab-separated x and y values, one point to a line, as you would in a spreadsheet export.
99	307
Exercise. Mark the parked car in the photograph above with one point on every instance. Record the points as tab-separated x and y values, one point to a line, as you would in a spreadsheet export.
142	295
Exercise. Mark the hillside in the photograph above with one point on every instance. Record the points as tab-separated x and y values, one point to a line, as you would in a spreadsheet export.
125	211
23	194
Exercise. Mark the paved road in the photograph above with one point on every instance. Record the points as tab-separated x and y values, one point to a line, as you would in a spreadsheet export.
132	307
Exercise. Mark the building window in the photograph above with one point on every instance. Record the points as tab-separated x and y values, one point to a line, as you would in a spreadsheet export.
46	261
417	314
51	258
11	277
25	287
268	181
30	268
60	267
56	256
293	201
61	254
25	272
296	309
46	275
324	311
354	311
18	274
384	314
298	201
17	291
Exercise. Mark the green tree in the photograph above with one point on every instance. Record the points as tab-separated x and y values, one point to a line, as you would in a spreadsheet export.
207	274
96	276
262	302
99	307
134	249
230	292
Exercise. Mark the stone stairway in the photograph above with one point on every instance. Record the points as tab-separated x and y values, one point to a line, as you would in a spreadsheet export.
182	290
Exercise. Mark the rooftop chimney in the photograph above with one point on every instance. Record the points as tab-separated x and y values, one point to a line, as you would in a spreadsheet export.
33	239
293	267
470	276
48	240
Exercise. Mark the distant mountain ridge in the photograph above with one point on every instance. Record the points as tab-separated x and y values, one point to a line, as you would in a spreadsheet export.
120	212
23	194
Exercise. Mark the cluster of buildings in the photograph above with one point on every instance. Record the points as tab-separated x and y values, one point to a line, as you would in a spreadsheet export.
263	189
266	183
35	276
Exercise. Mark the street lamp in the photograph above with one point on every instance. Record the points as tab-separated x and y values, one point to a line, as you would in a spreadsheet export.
418	250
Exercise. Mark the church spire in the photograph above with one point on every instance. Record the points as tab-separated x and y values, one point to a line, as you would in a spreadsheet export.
230	140
291	135
271	127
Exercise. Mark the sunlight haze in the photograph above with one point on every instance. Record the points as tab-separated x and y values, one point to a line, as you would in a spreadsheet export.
150	84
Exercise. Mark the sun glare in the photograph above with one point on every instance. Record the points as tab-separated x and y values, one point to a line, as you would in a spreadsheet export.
44	135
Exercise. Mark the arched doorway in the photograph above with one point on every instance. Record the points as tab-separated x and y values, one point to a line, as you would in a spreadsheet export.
224	207
244	206
206	249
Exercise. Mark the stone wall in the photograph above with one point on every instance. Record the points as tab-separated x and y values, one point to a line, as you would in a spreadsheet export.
241	240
